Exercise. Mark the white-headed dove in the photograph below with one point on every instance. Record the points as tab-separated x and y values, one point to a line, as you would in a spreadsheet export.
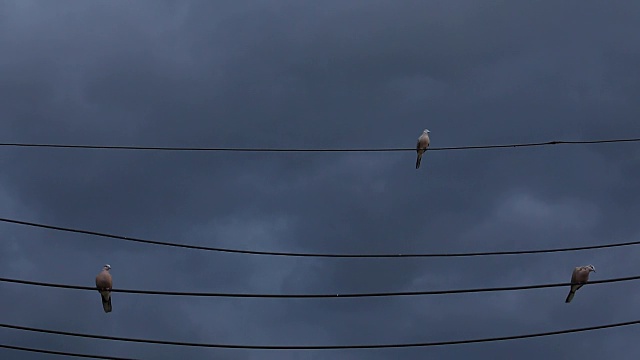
579	277
423	144
104	285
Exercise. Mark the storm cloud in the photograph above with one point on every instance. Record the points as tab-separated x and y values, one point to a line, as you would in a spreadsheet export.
320	74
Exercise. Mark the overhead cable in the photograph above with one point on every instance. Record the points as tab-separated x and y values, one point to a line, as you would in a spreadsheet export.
320	255
322	347
62	353
239	149
314	296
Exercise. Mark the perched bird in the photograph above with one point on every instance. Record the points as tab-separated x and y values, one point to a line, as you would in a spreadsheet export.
423	144
579	277
104	285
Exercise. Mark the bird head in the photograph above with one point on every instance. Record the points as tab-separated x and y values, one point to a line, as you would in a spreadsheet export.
107	267
591	268
426	131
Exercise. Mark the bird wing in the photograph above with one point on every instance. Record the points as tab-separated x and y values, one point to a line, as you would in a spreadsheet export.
574	275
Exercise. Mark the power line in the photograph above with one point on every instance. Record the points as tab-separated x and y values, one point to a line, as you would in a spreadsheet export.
323	347
52	352
179	148
315	296
325	255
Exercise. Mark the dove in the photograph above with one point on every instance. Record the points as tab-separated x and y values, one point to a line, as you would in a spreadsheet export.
579	277
423	144
104	285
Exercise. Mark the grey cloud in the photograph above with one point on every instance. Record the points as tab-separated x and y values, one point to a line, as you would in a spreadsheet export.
310	74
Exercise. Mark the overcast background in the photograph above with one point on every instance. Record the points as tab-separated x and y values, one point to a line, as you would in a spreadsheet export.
320	74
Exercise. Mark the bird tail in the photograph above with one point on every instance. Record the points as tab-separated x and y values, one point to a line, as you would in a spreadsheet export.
570	296
106	302
418	160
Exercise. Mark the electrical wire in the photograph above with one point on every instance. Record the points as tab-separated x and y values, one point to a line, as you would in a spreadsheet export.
316	296
320	255
62	353
323	347
163	148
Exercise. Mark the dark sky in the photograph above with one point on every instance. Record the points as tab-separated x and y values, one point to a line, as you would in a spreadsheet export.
320	74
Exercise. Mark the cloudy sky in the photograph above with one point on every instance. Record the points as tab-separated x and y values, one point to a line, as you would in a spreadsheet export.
320	74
